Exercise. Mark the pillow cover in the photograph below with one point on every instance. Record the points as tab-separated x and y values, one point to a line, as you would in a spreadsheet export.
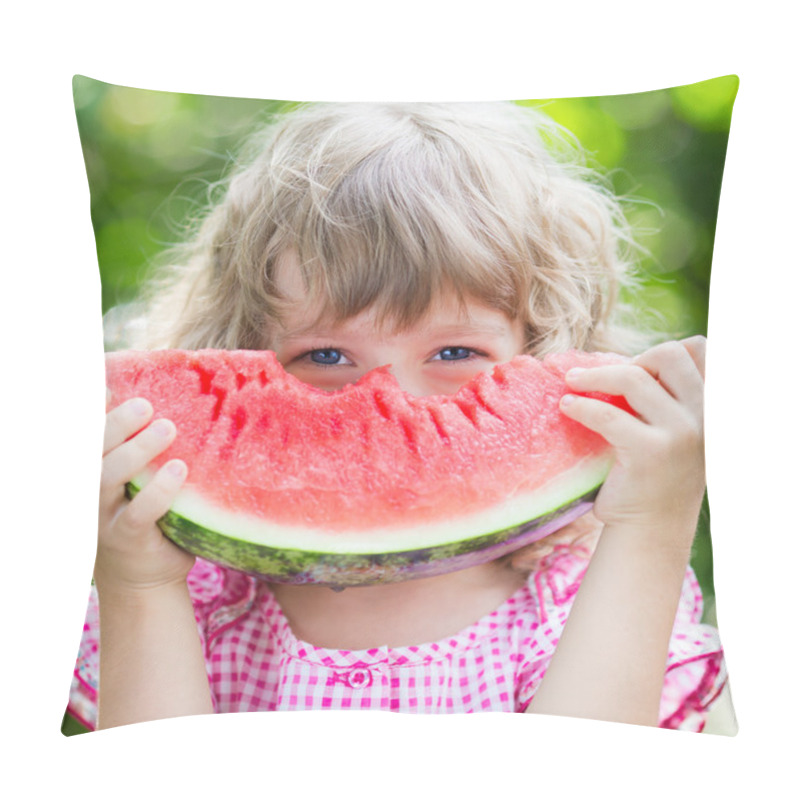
156	161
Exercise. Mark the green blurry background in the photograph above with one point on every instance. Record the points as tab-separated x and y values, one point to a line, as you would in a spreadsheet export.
152	158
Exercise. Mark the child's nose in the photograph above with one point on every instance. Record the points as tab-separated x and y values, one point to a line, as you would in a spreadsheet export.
410	380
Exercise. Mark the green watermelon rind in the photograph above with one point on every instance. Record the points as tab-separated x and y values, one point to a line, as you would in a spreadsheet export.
353	564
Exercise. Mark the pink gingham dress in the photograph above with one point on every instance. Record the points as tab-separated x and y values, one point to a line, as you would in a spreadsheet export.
255	663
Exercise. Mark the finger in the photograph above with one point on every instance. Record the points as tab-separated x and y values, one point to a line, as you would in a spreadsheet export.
129	459
648	398
617	427
696	347
676	370
153	501
124	421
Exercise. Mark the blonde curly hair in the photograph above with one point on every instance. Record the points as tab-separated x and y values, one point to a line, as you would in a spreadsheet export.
386	206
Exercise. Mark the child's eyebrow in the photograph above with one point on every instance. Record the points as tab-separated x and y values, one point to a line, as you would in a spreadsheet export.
450	330
466	329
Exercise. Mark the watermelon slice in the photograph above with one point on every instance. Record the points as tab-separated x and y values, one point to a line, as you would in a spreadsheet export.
366	484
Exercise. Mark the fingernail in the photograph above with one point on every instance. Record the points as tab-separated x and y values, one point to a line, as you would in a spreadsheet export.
140	407
176	468
567	399
575	371
162	427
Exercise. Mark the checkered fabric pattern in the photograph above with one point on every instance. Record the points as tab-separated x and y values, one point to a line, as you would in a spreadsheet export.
255	663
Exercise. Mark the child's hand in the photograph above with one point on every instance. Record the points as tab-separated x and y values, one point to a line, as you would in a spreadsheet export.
658	479
132	553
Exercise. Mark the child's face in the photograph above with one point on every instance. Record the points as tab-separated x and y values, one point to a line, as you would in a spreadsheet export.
437	356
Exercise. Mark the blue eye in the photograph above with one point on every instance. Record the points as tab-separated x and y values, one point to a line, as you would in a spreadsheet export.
454	353
327	356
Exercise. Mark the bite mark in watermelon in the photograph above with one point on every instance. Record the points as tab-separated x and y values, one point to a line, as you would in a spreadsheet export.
366	484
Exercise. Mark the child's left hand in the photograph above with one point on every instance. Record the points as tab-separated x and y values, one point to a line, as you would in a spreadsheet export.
658	479
610	659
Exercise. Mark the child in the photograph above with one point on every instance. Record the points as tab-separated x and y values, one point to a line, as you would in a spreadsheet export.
440	239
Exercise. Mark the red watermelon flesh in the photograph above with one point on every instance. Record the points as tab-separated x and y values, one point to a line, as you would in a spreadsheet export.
330	470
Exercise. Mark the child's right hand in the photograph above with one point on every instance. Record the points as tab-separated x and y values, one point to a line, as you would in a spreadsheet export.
132	553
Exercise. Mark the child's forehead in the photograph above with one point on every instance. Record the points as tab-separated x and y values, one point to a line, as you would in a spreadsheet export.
287	275
440	322
305	314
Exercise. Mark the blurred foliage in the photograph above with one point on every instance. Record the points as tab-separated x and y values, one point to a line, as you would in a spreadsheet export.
153	157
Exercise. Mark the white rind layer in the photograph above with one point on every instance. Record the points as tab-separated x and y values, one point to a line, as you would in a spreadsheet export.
568	486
